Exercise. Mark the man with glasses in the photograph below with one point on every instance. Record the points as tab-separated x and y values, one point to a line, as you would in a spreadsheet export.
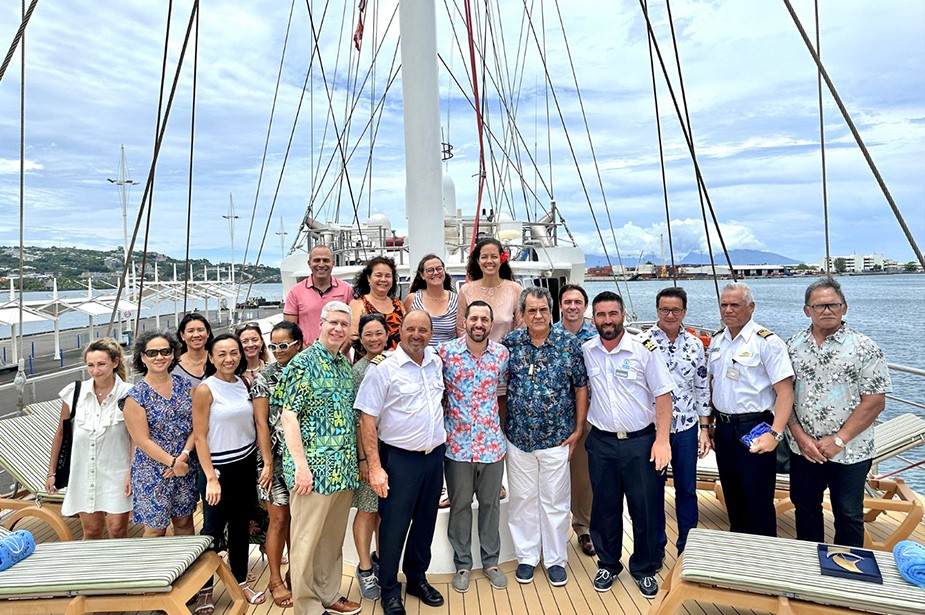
683	351
841	384
573	300
752	383
320	464
306	298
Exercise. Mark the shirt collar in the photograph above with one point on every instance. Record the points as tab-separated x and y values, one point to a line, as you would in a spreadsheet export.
310	283
746	333
839	336
402	357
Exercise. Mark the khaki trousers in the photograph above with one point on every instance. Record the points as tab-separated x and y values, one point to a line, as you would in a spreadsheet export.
318	525
581	486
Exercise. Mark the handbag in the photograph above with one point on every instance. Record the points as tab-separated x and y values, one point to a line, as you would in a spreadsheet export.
63	464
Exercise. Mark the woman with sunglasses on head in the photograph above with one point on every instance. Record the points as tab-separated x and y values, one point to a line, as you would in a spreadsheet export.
373	338
432	291
194	332
99	488
159	417
375	287
255	351
492	281
286	340
226	438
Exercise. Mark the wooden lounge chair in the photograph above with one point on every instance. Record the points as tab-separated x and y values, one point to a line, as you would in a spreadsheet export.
126	574
25	447
777	575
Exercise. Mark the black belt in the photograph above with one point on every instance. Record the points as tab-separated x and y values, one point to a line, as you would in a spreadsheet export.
745	417
404	450
626	435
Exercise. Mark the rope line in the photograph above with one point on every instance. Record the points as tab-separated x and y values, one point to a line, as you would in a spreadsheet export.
20	35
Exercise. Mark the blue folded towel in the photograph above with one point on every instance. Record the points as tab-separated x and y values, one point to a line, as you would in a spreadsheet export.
16	547
910	559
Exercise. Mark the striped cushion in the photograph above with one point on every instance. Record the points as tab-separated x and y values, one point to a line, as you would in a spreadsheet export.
50	409
121	566
784	567
897	435
25	449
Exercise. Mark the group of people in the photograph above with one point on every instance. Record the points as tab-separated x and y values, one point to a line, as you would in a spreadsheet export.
374	403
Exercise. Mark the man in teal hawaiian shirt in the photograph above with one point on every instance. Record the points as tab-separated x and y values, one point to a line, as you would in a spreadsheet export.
320	463
546	406
841	384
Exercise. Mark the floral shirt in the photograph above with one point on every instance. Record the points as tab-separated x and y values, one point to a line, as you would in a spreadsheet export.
586	332
830	380
318	387
265	387
473	425
541	382
688	366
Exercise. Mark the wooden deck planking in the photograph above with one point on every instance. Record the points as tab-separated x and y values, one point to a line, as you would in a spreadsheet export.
538	598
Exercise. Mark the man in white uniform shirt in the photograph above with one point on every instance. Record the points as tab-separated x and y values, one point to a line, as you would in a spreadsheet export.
630	416
404	439
752	383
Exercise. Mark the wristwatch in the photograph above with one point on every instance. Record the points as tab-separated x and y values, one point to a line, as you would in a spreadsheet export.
839	442
777	435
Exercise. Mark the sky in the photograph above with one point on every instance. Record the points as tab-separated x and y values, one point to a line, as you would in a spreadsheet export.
92	82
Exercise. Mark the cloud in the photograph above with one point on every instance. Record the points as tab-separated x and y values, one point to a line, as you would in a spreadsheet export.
93	85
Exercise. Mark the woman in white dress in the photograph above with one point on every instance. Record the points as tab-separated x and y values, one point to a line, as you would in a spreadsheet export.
99	487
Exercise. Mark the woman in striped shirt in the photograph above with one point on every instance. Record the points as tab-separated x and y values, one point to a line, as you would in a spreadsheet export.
432	291
226	439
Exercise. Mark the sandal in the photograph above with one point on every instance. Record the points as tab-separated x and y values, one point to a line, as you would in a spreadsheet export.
204	605
444	499
252	597
281	598
503	493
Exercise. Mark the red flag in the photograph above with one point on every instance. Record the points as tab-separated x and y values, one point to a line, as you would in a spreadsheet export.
358	35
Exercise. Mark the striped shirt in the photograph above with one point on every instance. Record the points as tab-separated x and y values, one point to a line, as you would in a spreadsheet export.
445	324
232	432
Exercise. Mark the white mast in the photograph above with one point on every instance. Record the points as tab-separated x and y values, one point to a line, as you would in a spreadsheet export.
420	89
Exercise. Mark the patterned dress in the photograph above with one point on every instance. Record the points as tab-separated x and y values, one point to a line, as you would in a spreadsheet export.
364	498
170	421
265	387
392	320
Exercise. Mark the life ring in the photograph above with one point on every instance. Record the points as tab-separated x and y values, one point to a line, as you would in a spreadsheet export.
703	337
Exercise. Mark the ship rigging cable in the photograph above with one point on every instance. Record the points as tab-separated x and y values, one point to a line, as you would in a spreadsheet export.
149	182
825	191
20	34
857	135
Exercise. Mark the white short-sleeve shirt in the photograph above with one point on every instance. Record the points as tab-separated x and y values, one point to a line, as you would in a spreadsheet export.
744	370
406	399
624	383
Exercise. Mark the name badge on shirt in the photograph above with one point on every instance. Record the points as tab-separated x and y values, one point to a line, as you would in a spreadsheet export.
733	373
628	374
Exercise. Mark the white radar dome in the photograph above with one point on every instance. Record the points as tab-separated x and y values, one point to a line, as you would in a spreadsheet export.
380	220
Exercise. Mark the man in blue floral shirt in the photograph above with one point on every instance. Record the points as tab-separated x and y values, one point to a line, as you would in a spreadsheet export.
841	382
573	301
683	351
543	418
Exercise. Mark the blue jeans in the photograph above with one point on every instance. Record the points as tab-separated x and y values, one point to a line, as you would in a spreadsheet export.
684	446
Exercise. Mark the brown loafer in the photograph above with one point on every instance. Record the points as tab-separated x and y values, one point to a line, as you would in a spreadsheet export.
587	547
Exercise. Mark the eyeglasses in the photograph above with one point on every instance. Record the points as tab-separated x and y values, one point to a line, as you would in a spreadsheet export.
337	323
433	270
282	346
153	352
672	311
248	325
819	308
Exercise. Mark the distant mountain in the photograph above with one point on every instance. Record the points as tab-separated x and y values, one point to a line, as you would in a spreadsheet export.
738	257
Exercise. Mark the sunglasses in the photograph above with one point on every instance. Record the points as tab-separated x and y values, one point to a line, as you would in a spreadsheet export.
164	352
282	346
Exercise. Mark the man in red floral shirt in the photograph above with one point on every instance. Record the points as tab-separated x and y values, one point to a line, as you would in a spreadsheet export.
473	367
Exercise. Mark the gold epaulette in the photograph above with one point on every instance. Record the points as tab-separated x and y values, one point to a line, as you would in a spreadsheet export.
378	359
652	346
765	333
718	332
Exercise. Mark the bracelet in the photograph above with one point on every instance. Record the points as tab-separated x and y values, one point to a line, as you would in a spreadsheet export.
361	458
185	452
173	463
50	474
